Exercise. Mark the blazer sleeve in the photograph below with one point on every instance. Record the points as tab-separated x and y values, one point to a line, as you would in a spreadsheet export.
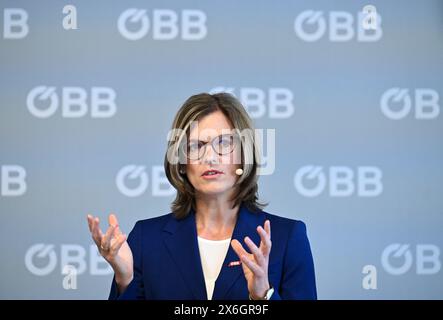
298	278
135	289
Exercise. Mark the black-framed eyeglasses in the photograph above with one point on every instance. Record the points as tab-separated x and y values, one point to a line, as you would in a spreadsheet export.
222	145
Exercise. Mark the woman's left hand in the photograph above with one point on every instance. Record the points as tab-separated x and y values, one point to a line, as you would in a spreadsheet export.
255	264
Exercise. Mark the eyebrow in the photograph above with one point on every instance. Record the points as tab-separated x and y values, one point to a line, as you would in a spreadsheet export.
220	135
196	140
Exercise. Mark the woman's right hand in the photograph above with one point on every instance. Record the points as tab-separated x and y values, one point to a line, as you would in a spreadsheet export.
114	248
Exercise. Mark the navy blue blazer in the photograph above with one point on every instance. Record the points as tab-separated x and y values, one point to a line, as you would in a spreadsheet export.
167	263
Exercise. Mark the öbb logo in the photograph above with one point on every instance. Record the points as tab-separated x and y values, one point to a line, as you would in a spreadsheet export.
312	181
134	24
43	102
133	181
278	103
13	181
397	259
312	25
42	259
15	23
397	103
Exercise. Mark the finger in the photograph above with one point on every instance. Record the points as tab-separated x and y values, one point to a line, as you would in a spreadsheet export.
238	248
265	244
258	255
106	240
96	227
268	228
97	234
252	265
113	221
89	218
118	244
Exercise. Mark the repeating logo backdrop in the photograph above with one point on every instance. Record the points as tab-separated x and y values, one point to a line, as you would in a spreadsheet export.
352	89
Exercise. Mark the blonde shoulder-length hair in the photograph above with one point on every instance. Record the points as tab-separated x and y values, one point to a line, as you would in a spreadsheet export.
195	108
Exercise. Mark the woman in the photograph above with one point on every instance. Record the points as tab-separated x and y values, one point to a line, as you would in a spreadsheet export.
196	251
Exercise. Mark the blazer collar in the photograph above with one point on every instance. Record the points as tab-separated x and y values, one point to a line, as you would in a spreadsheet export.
180	237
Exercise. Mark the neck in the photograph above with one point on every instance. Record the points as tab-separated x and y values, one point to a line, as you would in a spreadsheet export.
215	218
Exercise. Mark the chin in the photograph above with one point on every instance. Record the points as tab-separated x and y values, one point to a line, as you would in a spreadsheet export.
214	190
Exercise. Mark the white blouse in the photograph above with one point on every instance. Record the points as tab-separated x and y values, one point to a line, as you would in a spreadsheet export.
212	255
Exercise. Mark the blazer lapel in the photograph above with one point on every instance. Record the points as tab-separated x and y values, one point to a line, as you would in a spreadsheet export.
180	237
246	225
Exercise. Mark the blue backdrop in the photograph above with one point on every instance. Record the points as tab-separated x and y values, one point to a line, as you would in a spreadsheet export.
89	92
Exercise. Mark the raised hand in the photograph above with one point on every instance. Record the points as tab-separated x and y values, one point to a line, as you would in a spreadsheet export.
114	248
255	264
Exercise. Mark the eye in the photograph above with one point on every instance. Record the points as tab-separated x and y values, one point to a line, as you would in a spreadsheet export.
225	141
193	146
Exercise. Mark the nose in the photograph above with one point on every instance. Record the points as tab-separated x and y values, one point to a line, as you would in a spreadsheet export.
209	155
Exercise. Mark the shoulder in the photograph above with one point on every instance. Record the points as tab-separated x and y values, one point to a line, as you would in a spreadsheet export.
283	224
148	230
291	240
153	224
